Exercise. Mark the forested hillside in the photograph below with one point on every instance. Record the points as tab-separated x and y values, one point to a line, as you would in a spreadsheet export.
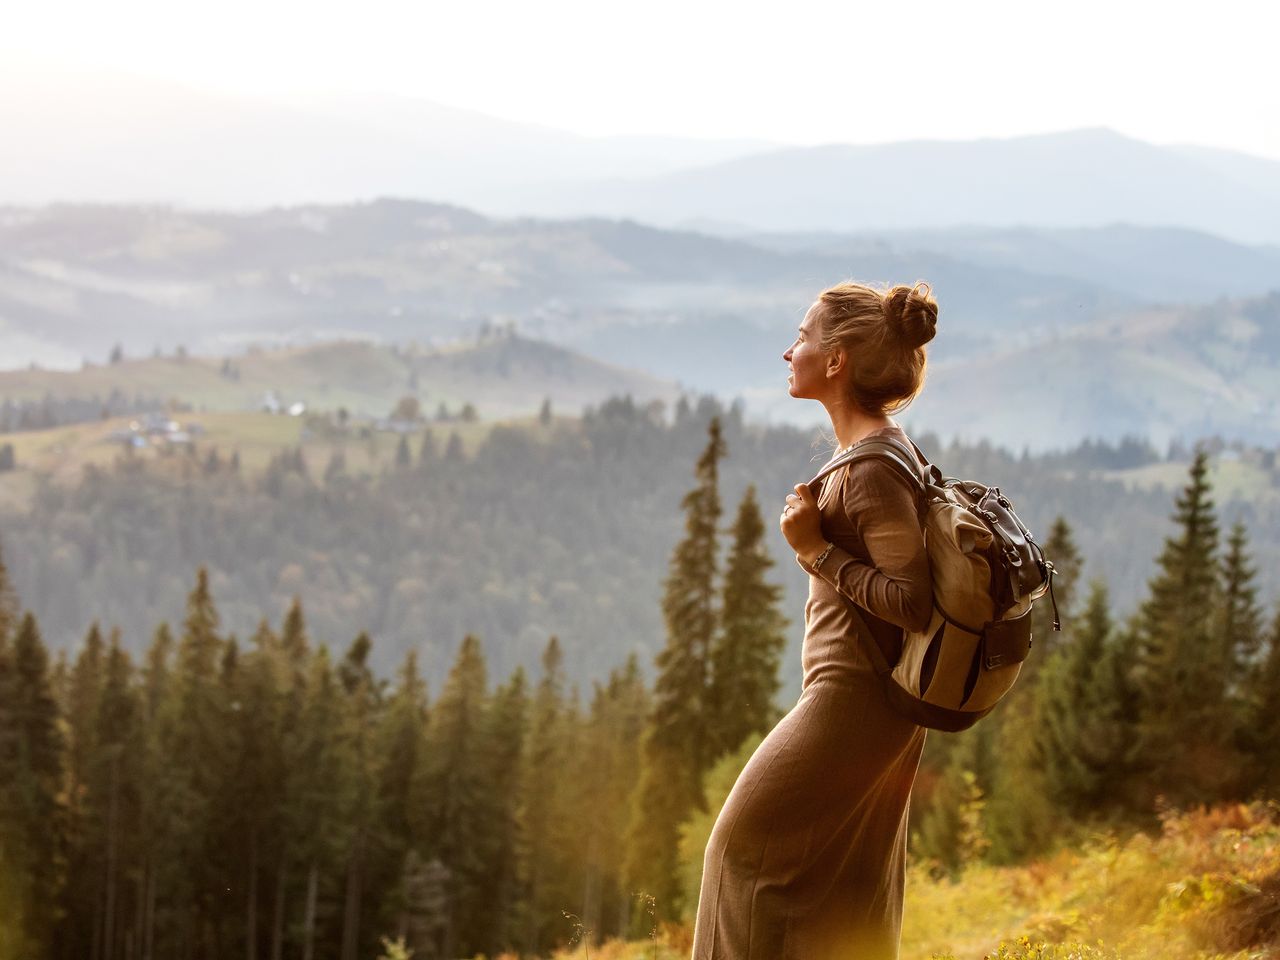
513	532
211	796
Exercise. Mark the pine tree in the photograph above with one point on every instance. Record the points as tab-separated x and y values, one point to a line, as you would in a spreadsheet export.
320	791
361	707
749	644
952	830
401	739
83	697
1185	729
544	826
1021	818
198	756
113	797
504	737
260	779
157	791
451	794
1083	743
1262	732
677	746
1240	620
32	812
610	769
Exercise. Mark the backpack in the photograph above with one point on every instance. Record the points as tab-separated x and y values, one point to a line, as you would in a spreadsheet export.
987	570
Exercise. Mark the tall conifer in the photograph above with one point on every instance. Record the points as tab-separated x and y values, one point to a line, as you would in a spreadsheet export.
677	744
32	812
505	732
452	793
749	644
1261	734
362	703
1185	729
1240	620
1082	740
546	830
401	741
198	755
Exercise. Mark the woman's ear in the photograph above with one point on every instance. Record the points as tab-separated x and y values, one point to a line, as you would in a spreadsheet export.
836	360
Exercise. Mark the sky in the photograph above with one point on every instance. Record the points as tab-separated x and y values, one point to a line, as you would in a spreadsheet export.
801	72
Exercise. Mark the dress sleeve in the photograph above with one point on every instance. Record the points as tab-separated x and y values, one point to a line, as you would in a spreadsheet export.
896	585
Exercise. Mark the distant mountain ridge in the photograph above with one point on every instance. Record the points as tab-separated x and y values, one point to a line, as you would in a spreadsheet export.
1045	316
84	277
1077	178
153	141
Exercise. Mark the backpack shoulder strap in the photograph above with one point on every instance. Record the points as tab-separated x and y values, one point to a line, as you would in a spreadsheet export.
883	448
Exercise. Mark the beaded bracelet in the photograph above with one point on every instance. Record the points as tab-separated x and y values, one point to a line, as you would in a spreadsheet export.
822	556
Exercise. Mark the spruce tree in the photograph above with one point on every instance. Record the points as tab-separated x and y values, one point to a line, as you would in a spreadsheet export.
401	742
1239	620
33	840
361	706
1083	743
84	853
677	744
1185	728
612	755
1261	735
260	779
451	794
198	756
749	644
158	788
505	732
114	824
546	830
321	792
952	832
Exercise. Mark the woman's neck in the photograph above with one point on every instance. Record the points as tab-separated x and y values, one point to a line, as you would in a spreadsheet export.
851	424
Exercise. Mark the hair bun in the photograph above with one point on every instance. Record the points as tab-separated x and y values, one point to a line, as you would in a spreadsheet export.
912	313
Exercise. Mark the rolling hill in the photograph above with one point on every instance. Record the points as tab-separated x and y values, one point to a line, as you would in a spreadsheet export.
501	373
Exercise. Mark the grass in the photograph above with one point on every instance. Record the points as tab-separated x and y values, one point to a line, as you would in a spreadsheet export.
62	453
1206	887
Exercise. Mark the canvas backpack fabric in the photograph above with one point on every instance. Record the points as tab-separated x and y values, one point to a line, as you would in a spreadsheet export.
987	571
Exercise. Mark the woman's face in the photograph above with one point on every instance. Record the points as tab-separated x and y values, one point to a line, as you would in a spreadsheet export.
806	360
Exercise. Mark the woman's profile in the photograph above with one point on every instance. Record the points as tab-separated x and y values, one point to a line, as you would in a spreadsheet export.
807	857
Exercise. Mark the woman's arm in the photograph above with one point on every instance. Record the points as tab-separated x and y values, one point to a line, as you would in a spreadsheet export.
896	585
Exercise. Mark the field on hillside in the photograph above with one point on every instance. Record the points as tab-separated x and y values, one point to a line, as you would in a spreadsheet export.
1206	888
63	452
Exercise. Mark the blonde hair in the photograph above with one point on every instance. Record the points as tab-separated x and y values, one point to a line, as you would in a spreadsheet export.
883	333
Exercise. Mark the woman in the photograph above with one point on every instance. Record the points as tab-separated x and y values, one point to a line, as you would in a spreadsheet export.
806	860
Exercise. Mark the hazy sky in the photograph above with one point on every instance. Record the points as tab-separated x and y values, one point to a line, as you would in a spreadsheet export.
800	72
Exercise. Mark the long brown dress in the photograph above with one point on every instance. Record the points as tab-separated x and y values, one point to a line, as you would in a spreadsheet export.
807	858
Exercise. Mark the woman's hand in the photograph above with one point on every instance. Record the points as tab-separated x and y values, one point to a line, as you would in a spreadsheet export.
801	524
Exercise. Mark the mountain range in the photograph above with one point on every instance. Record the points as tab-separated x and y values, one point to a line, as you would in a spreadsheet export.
113	138
1097	331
